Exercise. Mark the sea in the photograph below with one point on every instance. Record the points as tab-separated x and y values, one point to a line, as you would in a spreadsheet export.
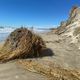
4	32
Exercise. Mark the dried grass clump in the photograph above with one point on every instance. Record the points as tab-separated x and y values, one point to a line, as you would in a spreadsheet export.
49	69
22	43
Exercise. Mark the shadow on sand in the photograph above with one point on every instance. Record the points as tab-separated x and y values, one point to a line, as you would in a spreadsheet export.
46	52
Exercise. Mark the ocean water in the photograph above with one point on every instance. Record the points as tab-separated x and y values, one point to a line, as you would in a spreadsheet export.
3	36
4	33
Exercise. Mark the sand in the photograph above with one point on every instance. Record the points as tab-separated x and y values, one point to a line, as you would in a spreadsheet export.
11	71
65	54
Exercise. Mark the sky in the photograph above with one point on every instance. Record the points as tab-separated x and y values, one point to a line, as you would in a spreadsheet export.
37	13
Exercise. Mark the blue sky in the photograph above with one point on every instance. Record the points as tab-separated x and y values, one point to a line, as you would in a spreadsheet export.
37	13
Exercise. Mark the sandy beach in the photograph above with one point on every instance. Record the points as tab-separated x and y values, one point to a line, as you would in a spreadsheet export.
11	71
63	56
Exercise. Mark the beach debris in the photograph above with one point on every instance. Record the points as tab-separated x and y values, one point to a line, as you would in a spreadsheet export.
49	69
22	43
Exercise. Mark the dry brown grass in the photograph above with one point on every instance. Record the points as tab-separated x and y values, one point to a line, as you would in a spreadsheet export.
21	43
52	72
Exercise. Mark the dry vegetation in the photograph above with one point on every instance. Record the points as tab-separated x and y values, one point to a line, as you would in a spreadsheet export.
21	43
48	69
